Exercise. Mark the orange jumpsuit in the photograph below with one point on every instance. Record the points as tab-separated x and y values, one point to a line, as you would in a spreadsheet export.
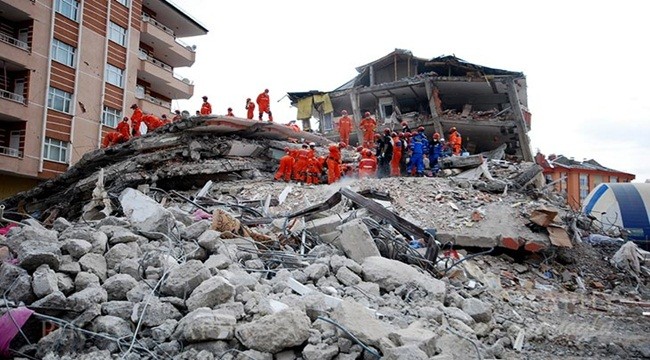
119	136
456	142
206	108
177	117
333	164
136	119
314	169
368	125
295	127
250	110
264	105
286	168
367	167
397	157
345	127
152	122
300	167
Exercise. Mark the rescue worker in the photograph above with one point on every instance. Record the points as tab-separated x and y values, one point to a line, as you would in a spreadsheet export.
164	119
405	127
333	163
300	166
368	126
384	153
402	162
435	152
292	124
286	166
177	116
136	119
152	122
397	155
206	108
230	113
345	127
250	109
455	141
367	165
416	165
121	134
264	104
313	169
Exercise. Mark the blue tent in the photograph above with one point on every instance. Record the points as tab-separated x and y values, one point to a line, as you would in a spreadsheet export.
626	205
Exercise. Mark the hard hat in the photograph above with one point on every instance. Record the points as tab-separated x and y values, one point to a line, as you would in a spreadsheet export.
377	136
436	136
134	106
312	144
453	128
205	97
386	131
400	134
393	134
421	128
404	123
367	113
344	112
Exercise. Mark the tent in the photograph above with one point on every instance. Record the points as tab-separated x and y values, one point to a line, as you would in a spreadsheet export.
626	205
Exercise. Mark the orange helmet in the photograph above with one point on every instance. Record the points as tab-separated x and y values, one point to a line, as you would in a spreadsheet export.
393	134
436	136
400	135
367	114
386	131
453	128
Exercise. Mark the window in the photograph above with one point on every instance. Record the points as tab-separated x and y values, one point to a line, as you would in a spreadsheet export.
584	186
117	33
613	179
111	117
63	52
67	8
563	186
114	75
59	100
55	150
124	2
327	122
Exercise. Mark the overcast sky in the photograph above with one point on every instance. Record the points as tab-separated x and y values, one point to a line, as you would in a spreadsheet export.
586	62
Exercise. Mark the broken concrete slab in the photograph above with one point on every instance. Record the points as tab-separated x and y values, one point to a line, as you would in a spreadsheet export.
204	324
391	274
357	320
144	213
276	332
211	292
356	242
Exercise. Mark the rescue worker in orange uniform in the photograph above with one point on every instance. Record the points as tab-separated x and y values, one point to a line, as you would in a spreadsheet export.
314	169
206	108
152	122
300	166
345	127
455	141
230	113
164	119
136	119
333	163
397	155
286	166
367	165
177	116
250	109
368	126
264	104
121	134
292	124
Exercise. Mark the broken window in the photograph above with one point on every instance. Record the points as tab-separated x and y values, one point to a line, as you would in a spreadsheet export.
327	122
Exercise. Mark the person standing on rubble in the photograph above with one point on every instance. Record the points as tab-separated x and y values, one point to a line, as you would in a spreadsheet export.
250	109
455	141
334	163
345	127
405	127
314	169
121	134
286	167
292	124
397	155
416	165
435	152
136	119
300	166
152	122
230	112
368	126
177	116
367	165
264	104
384	153
206	108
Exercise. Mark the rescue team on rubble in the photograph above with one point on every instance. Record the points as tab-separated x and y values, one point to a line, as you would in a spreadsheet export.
395	154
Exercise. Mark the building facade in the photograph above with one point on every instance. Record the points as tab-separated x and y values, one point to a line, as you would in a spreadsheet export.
576	179
71	69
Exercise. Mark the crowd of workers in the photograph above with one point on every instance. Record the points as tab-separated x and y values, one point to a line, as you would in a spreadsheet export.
385	154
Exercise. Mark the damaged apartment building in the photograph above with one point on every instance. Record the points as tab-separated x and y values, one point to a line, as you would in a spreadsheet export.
489	106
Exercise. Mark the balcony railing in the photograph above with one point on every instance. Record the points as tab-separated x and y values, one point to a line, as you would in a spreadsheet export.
144	56
10	152
11	96
184	79
152	21
14	42
157	101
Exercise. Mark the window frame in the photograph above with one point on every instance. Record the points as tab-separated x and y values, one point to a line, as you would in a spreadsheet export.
117	34
53	97
115	114
59	47
61	5
583	186
63	147
113	71
124	3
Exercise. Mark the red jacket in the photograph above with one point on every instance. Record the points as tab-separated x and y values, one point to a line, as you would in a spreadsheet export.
263	101
206	108
124	129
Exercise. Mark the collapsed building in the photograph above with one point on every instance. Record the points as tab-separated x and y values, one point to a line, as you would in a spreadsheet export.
489	106
179	245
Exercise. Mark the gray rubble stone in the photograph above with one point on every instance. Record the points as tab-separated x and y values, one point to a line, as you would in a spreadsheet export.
44	281
456	313
63	340
87	297
98	239
112	325
53	300
129	267
181	215
338	261
276	332
69	265
94	263
356	241
213	291
113	221
415	334
121	309
76	247
144	213
240	278
235	309
84	280
65	283
431	313
213	347
320	351
347	277
31	233
183	279
164	331
210	240
18	280
118	285
358	320
478	310
120	252
155	314
34	253
141	291
204	324
61	224
411	352
455	347
316	271
391	274
217	262
193	231
119	235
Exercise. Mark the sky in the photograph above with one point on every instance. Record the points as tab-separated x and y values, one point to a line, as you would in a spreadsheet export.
586	62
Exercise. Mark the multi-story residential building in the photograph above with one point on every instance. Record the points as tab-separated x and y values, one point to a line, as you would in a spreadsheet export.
576	179
69	70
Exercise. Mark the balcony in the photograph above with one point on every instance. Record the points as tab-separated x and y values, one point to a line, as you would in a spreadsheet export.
167	47
7	151
17	51
12	105
162	78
